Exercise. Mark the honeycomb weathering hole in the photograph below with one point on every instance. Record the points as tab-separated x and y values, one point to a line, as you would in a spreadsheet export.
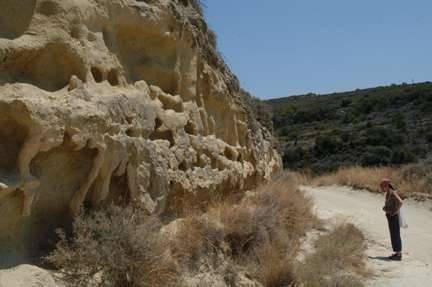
145	55
16	17
61	171
113	77
183	166
158	123
163	135
12	137
119	192
190	128
230	153
49	68
97	74
48	8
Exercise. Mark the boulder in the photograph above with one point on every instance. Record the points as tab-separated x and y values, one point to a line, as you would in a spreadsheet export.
26	276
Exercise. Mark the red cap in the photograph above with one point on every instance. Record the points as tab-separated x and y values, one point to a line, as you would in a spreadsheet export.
384	182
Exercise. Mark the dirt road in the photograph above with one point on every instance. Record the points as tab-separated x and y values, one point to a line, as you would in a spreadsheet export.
364	210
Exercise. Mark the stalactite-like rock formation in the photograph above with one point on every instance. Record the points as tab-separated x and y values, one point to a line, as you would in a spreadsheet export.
115	100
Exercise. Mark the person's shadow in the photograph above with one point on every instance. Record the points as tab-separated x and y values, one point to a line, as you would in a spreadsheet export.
382	258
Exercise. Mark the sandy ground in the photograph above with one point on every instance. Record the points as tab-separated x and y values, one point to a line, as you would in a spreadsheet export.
364	209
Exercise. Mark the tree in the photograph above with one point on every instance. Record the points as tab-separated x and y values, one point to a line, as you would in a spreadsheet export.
326	145
377	136
402	155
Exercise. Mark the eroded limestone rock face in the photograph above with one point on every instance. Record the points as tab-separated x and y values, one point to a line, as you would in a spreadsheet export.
115	100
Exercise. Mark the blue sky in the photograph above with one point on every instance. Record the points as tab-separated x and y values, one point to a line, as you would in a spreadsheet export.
285	47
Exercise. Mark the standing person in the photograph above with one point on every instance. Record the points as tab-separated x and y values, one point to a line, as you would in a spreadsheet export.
392	206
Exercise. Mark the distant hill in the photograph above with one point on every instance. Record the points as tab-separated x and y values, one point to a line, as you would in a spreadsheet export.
376	126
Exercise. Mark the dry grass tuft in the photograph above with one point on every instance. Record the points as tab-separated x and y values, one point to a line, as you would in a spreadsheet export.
273	266
277	212
299	178
338	256
412	179
197	239
115	247
416	178
357	177
260	233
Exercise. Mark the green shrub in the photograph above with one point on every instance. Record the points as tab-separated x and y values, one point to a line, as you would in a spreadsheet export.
345	103
326	144
377	155
378	136
426	107
368	104
348	118
347	136
292	155
402	155
261	111
399	121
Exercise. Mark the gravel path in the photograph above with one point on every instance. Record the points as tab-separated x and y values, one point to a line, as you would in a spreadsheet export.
364	210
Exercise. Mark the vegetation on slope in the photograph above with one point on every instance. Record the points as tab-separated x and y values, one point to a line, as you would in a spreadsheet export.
261	111
257	237
372	127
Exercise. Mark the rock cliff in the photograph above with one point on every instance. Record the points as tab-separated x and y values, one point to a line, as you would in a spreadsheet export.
116	101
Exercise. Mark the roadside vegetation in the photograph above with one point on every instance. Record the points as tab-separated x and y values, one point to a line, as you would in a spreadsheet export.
114	247
256	238
337	261
412	180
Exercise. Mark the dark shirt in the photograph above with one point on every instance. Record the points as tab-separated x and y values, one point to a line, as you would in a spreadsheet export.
392	204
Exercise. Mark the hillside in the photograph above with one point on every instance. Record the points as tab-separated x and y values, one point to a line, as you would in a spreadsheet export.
376	126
